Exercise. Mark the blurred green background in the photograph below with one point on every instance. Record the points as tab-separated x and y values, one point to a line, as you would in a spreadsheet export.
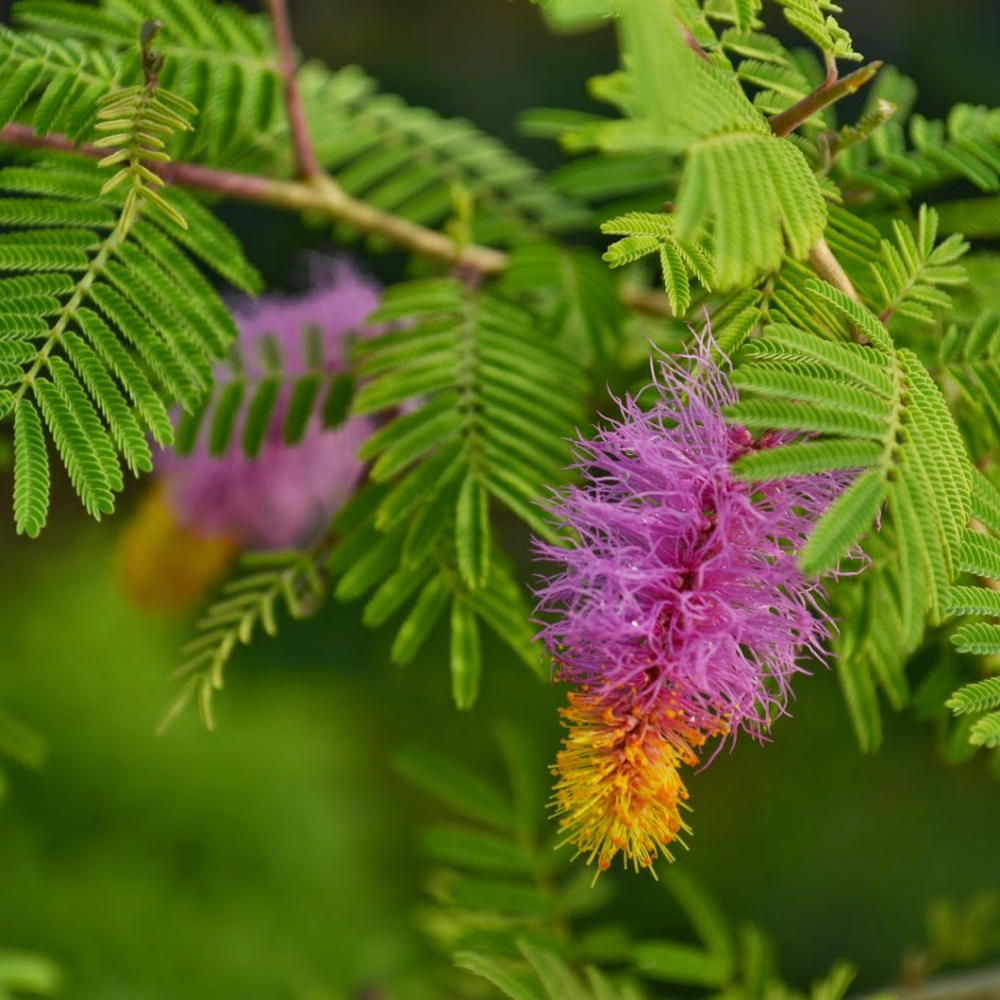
276	858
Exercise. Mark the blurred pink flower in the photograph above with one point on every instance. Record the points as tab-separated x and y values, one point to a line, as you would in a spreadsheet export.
203	509
286	493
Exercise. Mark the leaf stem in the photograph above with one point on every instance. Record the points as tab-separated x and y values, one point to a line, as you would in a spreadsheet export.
831	90
79	294
823	262
694	45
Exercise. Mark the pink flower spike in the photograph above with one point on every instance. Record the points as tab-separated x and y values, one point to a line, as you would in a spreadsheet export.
285	494
681	578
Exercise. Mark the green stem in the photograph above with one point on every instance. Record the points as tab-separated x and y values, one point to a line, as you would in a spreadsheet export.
827	93
66	313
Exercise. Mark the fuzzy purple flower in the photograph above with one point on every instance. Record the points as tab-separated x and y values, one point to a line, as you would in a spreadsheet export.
204	509
285	493
683	580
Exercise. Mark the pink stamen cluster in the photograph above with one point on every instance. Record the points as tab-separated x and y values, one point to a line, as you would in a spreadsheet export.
679	607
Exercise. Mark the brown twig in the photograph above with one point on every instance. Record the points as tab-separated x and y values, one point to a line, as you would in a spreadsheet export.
821	258
322	197
308	166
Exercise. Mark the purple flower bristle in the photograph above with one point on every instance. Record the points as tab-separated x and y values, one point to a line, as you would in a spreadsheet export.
680	576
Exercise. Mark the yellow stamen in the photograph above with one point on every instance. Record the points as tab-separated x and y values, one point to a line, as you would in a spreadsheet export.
164	567
619	789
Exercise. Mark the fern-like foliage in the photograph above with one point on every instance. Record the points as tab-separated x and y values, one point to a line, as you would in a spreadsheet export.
255	399
296	581
410	161
879	411
495	878
96	396
506	907
911	282
979	555
814	19
915	274
53	84
645	233
726	142
970	359
874	409
961	931
904	156
576	296
217	57
724	138
908	280
94	342
482	399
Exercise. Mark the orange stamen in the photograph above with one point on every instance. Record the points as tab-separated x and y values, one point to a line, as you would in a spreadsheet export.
619	788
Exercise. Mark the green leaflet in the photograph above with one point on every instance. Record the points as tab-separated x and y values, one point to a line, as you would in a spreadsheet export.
256	398
497	974
556	977
457	845
647	233
876	409
487	405
102	344
457	787
27	972
216	57
679	963
31	489
575	15
292	580
20	742
985	732
838	529
472	532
